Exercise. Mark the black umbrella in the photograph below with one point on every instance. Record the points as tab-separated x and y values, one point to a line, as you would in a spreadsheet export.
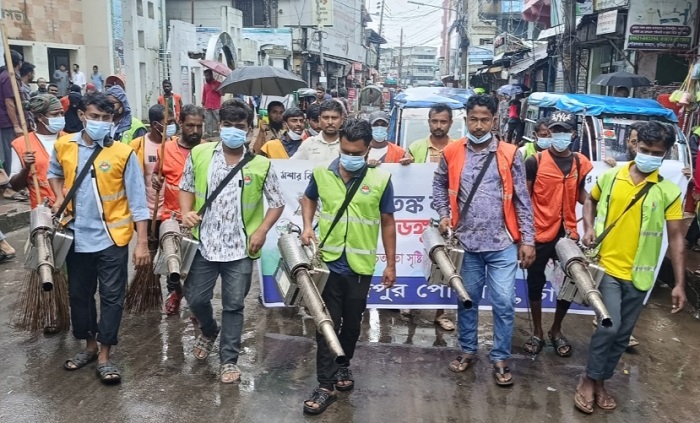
621	79
258	80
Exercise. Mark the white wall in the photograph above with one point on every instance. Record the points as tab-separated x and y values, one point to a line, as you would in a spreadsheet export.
206	12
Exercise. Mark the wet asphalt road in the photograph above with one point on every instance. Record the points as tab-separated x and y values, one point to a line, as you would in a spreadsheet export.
400	369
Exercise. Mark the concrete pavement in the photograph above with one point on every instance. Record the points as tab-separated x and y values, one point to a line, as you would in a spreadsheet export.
400	370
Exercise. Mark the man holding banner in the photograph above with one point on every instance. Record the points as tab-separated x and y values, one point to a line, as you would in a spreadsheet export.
624	219
496	232
357	202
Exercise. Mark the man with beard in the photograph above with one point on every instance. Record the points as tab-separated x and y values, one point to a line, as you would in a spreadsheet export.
126	127
41	87
175	156
326	145
274	130
289	143
429	150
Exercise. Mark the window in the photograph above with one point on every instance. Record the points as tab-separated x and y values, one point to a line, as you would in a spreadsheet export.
253	12
139	7
142	39
485	41
151	13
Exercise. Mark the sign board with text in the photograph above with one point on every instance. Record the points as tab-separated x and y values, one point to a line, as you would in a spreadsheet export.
607	22
660	25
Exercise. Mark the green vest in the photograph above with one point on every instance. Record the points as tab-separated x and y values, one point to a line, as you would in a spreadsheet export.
254	174
357	232
654	206
528	150
135	126
419	150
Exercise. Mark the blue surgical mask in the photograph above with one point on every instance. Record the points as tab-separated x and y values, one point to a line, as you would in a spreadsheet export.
379	133
55	124
544	143
170	130
97	130
352	163
233	137
561	141
646	163
475	140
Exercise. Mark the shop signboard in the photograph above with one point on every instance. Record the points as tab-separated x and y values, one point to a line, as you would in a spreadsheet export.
655	25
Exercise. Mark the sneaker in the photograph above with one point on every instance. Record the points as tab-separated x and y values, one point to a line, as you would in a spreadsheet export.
172	304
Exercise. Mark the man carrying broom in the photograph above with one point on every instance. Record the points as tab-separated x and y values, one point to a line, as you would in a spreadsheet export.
104	206
221	198
144	292
175	155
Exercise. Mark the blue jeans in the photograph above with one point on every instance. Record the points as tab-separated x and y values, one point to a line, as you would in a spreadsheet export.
624	303
235	284
496	270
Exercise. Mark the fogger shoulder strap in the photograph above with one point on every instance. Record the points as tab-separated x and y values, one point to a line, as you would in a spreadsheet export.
477	182
210	199
79	180
348	197
640	195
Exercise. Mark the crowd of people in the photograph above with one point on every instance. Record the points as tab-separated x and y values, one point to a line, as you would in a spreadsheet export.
506	206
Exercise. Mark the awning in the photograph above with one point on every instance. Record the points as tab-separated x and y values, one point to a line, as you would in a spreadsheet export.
537	11
495	69
373	37
556	30
530	59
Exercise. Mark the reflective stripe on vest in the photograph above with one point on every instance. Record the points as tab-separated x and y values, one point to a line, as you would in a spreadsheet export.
455	155
357	232
108	184
654	206
254	174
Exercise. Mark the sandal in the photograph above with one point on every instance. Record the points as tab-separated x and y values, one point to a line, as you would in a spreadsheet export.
534	345
322	397
444	323
108	373
561	343
16	197
502	371
230	369
80	360
605	402
345	375
461	363
204	345
582	403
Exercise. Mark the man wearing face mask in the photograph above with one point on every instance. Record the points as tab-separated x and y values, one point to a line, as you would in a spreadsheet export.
48	115
555	179
174	158
313	114
632	204
231	232
348	248
542	139
381	150
107	203
126	127
147	148
289	143
495	229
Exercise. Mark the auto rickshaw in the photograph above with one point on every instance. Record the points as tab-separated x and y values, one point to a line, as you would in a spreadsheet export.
369	100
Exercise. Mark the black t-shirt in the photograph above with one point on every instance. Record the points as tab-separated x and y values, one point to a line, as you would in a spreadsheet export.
563	163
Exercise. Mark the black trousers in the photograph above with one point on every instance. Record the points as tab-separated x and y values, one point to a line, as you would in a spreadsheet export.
110	267
346	299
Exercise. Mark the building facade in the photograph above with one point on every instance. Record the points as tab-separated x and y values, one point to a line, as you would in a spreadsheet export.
419	65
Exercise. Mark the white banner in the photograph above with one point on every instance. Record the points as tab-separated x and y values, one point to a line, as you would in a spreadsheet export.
412	198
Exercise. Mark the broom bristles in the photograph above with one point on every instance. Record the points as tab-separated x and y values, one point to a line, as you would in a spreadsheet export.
144	292
42	310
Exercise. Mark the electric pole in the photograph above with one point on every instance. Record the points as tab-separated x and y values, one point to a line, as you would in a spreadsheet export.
400	57
463	36
319	31
569	46
381	27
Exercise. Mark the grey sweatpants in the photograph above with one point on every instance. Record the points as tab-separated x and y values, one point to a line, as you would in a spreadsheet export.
624	303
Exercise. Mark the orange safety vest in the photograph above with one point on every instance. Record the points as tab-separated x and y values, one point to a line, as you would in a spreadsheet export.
41	165
455	155
177	100
173	167
394	153
554	196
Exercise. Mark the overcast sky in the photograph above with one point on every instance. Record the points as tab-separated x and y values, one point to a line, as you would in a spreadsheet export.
422	25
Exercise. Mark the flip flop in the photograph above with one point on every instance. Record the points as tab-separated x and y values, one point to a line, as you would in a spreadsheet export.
463	359
502	371
582	404
605	402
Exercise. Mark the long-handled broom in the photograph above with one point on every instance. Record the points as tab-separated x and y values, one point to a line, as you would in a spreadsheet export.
144	292
37	309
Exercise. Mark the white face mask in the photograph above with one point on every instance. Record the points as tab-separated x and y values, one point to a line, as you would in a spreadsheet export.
293	135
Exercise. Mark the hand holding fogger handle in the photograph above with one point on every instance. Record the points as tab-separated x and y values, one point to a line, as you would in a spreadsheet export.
444	269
